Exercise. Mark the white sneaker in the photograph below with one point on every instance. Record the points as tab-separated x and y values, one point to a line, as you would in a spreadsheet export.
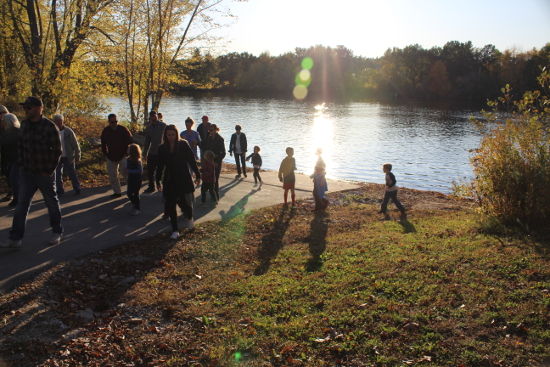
11	244
259	187
56	239
135	212
190	224
174	235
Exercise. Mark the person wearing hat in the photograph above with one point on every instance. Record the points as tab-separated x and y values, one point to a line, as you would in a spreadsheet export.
115	140
202	129
39	153
154	133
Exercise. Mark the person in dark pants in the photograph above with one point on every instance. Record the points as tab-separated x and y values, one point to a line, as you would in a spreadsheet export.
391	193
39	151
115	140
208	174
135	169
202	130
175	158
238	145
154	133
257	164
216	144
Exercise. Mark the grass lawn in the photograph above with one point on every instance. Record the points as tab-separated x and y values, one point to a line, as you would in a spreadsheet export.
279	287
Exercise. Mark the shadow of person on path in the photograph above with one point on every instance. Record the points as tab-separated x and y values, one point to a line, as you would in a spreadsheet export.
272	242
317	241
238	208
408	227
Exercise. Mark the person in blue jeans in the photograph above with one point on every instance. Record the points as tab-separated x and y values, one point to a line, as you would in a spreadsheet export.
69	157
39	152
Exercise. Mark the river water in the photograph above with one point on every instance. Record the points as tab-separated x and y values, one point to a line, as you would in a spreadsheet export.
428	146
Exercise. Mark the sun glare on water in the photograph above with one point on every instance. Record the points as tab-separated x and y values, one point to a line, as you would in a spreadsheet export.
322	137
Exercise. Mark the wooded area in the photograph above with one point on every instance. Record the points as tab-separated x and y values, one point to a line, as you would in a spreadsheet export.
72	53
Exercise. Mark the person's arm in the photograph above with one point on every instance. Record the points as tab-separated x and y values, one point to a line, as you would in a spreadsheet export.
137	170
147	143
54	141
244	144
76	146
260	160
104	142
190	157
199	140
221	149
232	144
281	168
160	166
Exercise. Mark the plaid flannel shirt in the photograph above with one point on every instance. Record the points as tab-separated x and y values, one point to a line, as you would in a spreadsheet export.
39	147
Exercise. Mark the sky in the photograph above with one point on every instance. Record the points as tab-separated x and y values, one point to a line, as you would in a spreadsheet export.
369	28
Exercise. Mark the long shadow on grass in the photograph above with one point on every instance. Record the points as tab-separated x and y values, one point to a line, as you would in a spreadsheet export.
272	242
408	227
317	241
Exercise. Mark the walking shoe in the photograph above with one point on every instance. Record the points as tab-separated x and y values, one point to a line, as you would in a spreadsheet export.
215	203
238	176
11	244
13	202
114	196
261	183
255	184
8	196
60	192
403	216
245	176
135	212
150	190
56	239
165	218
77	192
174	235
190	224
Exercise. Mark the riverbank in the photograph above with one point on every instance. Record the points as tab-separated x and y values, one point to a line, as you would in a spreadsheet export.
278	287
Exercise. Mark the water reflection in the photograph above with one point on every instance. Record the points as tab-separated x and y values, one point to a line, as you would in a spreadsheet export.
427	146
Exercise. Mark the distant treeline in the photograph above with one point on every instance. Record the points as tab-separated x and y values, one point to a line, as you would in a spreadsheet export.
456	70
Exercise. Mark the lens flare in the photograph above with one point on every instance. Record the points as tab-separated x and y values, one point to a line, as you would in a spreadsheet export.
300	91
238	356
307	63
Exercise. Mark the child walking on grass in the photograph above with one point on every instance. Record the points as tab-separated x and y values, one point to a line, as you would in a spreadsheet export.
257	164
319	182
208	174
391	193
286	176
135	169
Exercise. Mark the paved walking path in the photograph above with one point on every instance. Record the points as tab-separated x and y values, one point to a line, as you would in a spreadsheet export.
93	221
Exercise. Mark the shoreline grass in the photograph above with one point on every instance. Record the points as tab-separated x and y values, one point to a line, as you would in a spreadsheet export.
278	287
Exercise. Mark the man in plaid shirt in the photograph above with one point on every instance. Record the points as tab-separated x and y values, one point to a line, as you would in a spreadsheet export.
39	153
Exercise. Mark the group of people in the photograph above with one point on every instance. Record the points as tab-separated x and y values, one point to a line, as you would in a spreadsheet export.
36	152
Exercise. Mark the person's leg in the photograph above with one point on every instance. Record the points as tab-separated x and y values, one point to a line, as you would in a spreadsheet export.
238	163
243	162
210	186
286	196
187	203
293	196
152	164
14	181
59	175
131	192
387	196
27	188
172	213
204	190
217	184
122	169
137	187
71	171
113	176
47	188
397	202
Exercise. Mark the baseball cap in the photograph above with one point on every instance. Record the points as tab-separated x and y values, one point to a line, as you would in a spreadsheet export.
205	118
33	101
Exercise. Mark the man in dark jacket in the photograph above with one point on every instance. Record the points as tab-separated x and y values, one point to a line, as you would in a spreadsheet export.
39	152
202	129
153	139
238	145
115	140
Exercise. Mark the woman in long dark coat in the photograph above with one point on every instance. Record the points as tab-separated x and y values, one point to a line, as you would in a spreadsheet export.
175	157
216	144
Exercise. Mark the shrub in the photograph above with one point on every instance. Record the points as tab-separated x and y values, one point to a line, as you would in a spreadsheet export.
512	165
